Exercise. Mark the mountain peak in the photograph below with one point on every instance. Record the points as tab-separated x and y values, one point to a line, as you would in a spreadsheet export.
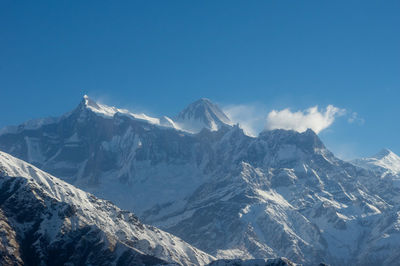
203	100
382	162
384	153
88	102
202	114
98	108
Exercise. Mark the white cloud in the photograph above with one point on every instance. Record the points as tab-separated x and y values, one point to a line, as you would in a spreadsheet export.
250	117
302	120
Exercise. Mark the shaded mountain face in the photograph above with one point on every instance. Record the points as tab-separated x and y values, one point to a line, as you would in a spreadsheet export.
234	196
45	221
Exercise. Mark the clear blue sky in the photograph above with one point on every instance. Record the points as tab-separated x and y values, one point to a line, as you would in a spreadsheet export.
159	56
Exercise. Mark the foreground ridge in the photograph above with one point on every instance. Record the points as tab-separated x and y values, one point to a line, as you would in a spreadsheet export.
254	262
45	220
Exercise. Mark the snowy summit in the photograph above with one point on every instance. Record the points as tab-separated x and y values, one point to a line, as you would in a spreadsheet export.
383	162
202	114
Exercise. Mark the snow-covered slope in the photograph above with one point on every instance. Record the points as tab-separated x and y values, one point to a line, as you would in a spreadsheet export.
234	196
284	194
110	111
45	220
384	162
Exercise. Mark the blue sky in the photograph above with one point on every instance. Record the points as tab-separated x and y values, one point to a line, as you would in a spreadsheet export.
158	56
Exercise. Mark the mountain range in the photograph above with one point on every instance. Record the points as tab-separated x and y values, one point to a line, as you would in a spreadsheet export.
199	177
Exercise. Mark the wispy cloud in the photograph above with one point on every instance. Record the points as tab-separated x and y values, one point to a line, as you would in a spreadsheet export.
300	121
354	118
250	117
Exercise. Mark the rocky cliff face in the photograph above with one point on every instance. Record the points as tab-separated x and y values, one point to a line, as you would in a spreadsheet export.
234	196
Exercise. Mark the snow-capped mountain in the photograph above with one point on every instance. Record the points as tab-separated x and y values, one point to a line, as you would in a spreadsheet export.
45	221
202	114
234	196
384	162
